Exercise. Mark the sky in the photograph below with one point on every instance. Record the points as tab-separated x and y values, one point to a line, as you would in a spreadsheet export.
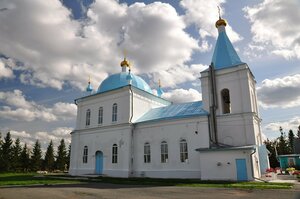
48	50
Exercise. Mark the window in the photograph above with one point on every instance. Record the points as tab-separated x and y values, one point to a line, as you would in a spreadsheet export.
183	150
114	112
114	154
100	115
164	151
85	154
88	117
225	101
147	154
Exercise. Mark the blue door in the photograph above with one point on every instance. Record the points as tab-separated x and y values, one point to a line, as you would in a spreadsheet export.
99	162
241	169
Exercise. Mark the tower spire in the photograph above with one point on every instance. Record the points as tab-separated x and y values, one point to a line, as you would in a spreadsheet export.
89	88
159	90
125	63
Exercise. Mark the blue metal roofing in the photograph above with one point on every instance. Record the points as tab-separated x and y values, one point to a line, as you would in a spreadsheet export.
122	79
174	111
224	54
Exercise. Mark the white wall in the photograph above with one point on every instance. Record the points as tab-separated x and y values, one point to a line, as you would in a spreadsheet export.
226	159
171	132
101	139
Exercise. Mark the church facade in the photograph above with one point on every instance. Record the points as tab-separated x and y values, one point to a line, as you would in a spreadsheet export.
124	130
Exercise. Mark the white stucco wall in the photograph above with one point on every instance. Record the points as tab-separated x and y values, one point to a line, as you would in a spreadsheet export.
171	132
221	165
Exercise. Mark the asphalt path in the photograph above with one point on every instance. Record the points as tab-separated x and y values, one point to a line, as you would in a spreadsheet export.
111	191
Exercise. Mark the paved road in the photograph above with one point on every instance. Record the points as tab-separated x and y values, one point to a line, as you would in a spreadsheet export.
109	191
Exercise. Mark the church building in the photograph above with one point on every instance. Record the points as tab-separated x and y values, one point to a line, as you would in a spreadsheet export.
124	130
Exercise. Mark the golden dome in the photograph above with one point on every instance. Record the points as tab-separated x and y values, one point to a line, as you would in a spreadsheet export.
221	22
125	63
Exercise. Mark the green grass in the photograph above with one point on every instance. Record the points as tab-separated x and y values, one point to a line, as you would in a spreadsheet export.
193	183
36	179
31	179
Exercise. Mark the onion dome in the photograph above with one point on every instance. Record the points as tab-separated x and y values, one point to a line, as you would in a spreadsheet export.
125	63
159	90
221	22
89	88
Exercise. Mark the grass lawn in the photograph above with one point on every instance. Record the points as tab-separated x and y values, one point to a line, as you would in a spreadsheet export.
193	183
31	179
36	179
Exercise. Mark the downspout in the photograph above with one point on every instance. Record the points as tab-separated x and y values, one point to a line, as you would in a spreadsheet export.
252	169
131	134
214	105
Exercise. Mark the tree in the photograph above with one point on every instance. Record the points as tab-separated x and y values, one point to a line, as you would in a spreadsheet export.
272	157
1	156
298	133
6	153
69	156
16	155
25	158
291	139
36	159
282	145
61	159
49	158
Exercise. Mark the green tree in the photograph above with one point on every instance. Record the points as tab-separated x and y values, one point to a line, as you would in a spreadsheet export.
16	155
272	157
36	159
282	146
298	132
291	139
25	158
69	156
49	158
1	156
61	159
7	153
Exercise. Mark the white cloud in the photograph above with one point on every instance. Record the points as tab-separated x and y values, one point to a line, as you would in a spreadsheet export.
280	92
204	14
274	26
24	110
44	137
182	95
57	50
6	72
293	124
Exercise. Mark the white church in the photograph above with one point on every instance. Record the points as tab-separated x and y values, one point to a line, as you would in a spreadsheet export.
124	130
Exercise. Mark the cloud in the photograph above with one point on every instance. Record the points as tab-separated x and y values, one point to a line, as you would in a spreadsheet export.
274	26
55	50
6	71
204	14
18	108
44	137
179	74
280	92
293	124
182	95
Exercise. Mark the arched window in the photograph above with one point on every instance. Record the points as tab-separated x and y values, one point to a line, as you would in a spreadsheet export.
183	150
85	154
225	101
164	151
100	115
114	112
88	117
114	158
147	153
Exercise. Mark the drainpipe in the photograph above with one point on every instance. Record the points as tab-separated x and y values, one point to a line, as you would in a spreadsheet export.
214	105
131	134
252	169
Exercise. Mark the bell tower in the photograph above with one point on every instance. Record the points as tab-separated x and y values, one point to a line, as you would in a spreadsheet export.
229	95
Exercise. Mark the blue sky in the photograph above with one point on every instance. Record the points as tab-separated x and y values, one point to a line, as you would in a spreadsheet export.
49	49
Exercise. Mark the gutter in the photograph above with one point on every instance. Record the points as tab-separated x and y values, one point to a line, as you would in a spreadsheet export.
252	170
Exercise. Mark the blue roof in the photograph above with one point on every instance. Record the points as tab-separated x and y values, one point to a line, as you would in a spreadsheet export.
174	111
122	79
224	54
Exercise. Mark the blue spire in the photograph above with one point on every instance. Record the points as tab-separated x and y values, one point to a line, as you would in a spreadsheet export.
224	54
89	88
159	90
